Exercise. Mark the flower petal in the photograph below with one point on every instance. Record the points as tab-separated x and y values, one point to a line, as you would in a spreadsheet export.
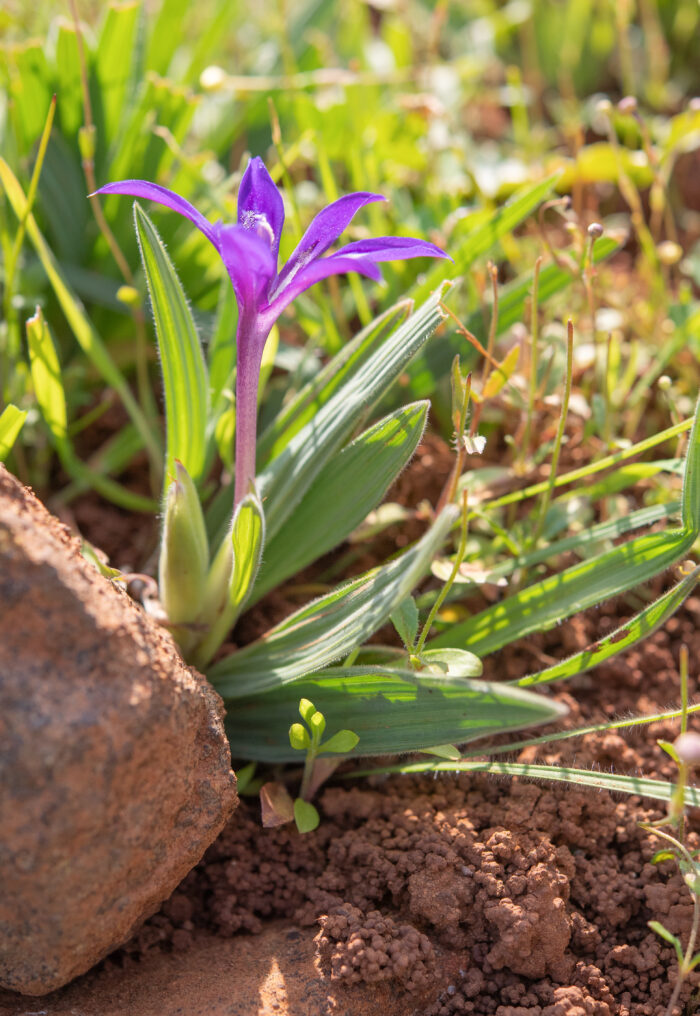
154	192
324	230
260	205
319	269
250	264
393	248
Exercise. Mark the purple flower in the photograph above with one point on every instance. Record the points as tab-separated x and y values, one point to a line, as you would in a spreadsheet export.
249	251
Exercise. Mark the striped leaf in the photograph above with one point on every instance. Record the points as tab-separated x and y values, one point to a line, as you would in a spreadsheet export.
184	372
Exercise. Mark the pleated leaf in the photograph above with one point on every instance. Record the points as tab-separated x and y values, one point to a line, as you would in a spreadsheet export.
344	492
317	392
285	480
628	634
391	711
545	603
332	626
542	605
184	372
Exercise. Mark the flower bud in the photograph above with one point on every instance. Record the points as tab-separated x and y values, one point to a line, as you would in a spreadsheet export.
595	230
669	252
184	555
688	748
299	737
628	105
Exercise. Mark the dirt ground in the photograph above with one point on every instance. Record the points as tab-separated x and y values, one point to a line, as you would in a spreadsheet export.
435	895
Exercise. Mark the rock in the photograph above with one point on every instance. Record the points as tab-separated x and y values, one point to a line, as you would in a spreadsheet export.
114	767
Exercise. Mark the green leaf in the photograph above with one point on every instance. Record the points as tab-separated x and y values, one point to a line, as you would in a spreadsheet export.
690	499
663	855
542	605
11	422
330	627
639	627
342	743
391	711
231	576
405	620
344	492
447	751
305	816
29	86
48	387
117	50
247	539
637	786
307	710
82	327
330	379
184	373
455	662
244	776
46	376
285	480
166	34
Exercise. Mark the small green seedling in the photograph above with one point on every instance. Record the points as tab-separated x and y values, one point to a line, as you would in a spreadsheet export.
308	738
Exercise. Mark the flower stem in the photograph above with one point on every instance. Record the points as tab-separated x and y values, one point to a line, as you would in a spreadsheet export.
250	342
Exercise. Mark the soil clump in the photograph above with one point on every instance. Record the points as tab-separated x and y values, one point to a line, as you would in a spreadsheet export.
454	894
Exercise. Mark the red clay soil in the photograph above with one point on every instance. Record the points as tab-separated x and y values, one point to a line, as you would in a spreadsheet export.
435	896
431	896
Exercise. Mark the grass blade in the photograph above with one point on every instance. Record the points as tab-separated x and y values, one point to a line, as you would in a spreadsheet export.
638	786
544	604
628	634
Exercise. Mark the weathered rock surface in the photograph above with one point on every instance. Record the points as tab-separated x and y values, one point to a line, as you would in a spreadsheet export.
115	773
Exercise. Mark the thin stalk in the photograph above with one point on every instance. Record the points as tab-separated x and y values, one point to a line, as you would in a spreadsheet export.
685	966
459	557
547	496
595	230
450	490
534	335
306	780
683	671
489	360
